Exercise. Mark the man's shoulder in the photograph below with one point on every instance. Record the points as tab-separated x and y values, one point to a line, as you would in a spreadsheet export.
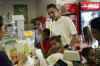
65	19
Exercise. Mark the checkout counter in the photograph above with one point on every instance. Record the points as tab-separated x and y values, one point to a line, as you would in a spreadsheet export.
69	58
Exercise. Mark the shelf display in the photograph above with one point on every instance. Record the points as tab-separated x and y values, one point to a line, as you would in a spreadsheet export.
18	26
89	11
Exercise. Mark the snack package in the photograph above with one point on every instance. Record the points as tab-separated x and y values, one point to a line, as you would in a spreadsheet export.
27	50
22	59
13	55
54	58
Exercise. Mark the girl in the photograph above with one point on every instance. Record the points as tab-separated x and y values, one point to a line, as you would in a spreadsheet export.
56	45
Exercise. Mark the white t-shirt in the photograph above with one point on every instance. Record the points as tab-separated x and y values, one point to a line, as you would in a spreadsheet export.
64	27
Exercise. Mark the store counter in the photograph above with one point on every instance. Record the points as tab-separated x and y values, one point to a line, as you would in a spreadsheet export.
57	60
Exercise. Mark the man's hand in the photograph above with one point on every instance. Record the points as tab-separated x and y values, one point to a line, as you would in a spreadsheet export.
73	40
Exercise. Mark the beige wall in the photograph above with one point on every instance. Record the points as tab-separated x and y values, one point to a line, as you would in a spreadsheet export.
42	6
5	5
35	7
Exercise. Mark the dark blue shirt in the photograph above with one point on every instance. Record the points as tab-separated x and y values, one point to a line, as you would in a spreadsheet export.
4	60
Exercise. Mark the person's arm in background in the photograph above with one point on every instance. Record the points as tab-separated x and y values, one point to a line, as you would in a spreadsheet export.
41	44
50	51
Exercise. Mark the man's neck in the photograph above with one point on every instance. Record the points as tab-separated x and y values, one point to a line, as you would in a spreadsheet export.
57	18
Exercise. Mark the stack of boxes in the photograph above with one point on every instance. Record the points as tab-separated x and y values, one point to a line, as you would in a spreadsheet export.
97	56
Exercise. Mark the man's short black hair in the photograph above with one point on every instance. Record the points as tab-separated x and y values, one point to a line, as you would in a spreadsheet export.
1	22
46	31
51	6
95	23
57	38
85	51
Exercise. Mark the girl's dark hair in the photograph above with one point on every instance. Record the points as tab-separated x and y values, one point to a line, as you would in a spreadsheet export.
87	34
47	31
57	38
51	6
86	51
1	22
36	19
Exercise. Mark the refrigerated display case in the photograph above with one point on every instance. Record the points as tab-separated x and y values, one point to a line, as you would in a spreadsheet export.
88	11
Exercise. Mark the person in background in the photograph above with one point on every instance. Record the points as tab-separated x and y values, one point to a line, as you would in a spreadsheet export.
95	29
56	45
37	26
87	36
44	42
88	39
89	54
83	40
4	60
61	25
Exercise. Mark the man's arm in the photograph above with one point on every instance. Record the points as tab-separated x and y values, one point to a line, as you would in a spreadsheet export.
72	30
73	40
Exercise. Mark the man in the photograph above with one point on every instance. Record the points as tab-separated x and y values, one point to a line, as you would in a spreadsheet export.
95	28
61	25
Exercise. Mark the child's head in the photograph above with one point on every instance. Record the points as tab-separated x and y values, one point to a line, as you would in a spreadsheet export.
89	54
46	33
56	41
37	22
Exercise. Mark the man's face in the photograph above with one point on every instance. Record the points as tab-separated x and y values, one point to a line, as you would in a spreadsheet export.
91	57
96	34
53	13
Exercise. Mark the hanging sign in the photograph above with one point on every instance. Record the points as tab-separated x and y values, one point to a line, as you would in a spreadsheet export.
90	6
